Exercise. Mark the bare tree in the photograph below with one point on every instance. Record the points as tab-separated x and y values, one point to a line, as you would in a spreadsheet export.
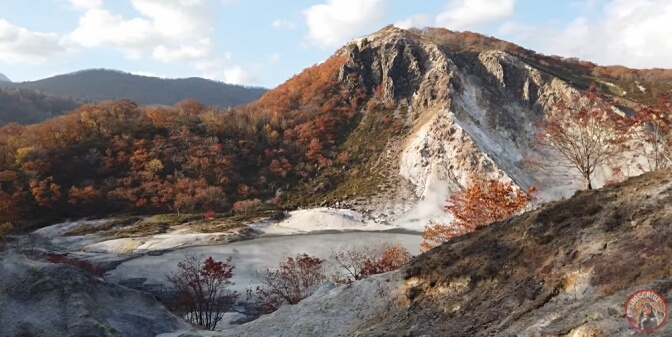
652	134
203	288
355	263
586	133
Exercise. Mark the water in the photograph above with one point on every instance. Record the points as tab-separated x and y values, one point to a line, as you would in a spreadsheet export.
252	255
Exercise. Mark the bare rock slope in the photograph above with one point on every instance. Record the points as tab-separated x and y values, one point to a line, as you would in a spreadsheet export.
565	269
468	111
44	299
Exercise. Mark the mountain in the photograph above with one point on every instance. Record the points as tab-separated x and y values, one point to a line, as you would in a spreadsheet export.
565	269
100	84
461	104
4	78
390	125
29	106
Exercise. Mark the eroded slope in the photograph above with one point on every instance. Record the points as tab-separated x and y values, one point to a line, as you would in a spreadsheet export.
565	269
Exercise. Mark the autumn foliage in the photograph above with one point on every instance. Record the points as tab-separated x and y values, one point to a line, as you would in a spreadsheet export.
5	228
293	280
87	266
116	156
483	202
355	263
203	287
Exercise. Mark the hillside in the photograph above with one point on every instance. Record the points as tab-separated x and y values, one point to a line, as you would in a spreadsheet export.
4	78
389	125
563	270
28	106
101	84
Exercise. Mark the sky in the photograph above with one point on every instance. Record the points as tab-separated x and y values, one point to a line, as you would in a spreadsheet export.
265	42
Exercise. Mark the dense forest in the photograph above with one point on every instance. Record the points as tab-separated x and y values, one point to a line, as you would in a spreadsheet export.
28	106
116	156
100	84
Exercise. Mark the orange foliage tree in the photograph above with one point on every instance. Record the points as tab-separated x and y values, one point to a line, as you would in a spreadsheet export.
45	192
481	203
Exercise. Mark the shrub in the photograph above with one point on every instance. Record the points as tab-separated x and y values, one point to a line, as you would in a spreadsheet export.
246	206
292	281
87	266
209	214
203	288
355	263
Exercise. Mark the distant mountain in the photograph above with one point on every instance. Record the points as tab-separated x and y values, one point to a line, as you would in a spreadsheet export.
4	78
101	84
26	106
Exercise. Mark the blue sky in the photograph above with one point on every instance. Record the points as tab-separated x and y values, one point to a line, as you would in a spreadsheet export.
264	42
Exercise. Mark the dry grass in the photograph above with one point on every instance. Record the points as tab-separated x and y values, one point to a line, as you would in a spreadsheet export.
621	233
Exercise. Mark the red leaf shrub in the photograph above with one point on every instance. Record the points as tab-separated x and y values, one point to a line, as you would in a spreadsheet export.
87	266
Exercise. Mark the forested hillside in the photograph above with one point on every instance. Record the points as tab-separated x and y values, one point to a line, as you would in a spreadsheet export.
101	84
116	156
28	106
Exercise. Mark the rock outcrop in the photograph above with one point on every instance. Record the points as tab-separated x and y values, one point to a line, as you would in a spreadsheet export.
44	299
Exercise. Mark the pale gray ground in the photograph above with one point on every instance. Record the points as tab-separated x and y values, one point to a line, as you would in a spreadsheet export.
252	255
56	300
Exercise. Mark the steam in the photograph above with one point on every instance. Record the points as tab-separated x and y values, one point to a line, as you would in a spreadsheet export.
430	207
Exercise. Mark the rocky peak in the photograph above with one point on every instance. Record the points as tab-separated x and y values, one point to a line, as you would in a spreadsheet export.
471	110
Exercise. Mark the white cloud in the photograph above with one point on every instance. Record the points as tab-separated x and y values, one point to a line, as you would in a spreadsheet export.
283	24
85	4
146	73
19	45
470	14
177	31
169	30
237	75
224	69
334	22
633	33
195	51
415	21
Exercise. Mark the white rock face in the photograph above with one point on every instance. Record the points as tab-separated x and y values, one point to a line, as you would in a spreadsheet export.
470	114
442	153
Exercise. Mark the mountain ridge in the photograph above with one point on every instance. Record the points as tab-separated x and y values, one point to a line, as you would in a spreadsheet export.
4	78
106	84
